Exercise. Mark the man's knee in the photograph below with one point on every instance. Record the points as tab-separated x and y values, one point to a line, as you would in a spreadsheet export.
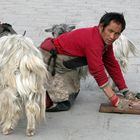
64	105
56	107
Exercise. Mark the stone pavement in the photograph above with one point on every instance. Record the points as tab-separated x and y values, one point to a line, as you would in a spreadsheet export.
83	121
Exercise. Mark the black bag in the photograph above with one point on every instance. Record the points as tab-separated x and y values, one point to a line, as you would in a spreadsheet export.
75	63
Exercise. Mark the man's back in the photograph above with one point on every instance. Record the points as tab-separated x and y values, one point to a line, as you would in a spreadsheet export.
75	43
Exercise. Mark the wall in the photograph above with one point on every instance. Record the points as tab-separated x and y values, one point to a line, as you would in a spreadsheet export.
35	15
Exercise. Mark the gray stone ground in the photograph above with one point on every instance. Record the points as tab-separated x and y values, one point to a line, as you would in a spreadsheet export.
83	121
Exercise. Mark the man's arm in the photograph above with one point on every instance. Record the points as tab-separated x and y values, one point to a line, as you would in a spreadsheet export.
115	72
113	68
97	70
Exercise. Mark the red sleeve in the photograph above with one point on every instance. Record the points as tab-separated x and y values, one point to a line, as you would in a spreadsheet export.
113	68
96	66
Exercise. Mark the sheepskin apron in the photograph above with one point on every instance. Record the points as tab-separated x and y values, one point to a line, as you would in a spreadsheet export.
66	82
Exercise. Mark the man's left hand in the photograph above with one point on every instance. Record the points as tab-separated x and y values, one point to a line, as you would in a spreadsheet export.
130	95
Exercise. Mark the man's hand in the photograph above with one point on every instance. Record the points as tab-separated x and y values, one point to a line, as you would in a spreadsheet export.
130	95
124	104
138	95
121	103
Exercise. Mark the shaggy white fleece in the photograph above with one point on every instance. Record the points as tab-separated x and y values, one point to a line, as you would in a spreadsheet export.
122	48
22	83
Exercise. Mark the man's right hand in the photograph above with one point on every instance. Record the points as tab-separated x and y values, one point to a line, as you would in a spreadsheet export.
121	103
124	104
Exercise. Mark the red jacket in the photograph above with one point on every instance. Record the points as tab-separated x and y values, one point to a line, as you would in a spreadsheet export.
88	42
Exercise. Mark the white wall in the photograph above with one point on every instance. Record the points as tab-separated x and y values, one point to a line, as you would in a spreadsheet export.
36	15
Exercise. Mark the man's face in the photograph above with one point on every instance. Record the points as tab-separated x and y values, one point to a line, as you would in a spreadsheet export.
111	32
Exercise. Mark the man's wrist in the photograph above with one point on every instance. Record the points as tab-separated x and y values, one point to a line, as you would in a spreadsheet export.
125	92
114	100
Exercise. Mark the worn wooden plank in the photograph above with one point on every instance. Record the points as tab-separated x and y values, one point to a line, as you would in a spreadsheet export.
108	108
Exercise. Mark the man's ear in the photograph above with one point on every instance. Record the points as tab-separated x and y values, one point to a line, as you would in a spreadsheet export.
101	27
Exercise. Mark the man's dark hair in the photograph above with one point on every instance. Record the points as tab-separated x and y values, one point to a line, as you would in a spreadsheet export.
116	17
